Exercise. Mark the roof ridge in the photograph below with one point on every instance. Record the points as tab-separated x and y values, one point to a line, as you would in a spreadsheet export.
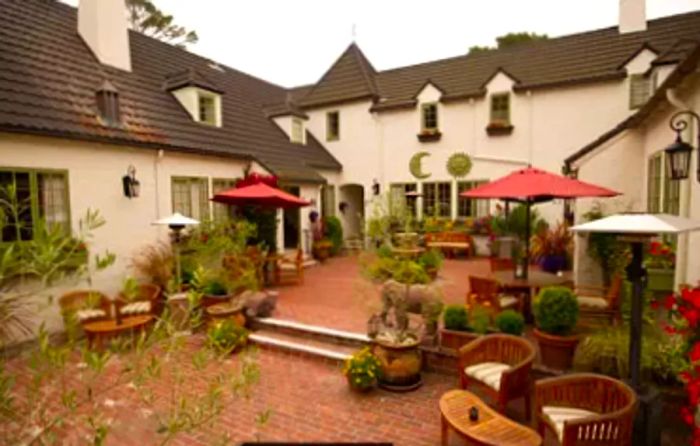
367	68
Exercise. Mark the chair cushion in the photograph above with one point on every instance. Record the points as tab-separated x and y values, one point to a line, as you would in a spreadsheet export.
507	301
559	415
487	372
592	302
288	266
90	313
139	307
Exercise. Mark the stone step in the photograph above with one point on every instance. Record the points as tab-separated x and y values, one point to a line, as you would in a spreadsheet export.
311	348
311	332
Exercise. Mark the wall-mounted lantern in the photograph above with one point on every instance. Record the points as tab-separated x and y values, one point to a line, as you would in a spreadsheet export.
680	152
376	188
132	187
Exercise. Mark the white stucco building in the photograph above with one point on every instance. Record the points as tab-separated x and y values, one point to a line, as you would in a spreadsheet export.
82	99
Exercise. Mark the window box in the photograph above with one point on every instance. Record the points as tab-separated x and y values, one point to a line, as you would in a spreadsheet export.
429	135
499	128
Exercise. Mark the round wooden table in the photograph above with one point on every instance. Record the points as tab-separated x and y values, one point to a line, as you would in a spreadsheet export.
97	331
536	280
491	429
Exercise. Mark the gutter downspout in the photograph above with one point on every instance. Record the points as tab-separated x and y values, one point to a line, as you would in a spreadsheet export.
682	251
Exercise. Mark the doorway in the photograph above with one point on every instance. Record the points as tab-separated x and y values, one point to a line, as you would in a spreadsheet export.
351	209
291	222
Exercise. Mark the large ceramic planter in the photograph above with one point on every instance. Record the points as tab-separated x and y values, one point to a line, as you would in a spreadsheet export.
226	311
401	366
454	340
553	263
660	280
210	299
556	352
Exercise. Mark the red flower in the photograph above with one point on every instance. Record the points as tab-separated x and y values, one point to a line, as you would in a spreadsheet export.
694	354
654	248
670	329
669	301
655	305
687	416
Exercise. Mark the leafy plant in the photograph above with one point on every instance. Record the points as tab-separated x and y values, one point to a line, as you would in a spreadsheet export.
611	254
431	259
130	289
409	272
385	252
362	369
552	242
510	322
660	255
479	320
215	287
225	336
556	310
456	317
334	232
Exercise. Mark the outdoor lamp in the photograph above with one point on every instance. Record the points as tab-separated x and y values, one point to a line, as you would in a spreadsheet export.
177	223
376	188
132	186
680	152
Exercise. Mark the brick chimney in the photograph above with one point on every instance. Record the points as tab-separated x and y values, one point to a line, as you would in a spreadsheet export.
102	25
633	16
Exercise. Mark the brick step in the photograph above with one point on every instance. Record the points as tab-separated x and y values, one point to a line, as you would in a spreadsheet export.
311	348
311	332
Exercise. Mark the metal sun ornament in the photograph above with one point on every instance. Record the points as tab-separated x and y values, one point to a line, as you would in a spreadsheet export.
459	165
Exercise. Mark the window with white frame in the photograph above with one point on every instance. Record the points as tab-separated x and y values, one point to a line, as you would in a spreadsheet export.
640	90
429	117
663	193
208	109
333	126
437	199
297	131
191	197
398	195
222	212
500	108
471	207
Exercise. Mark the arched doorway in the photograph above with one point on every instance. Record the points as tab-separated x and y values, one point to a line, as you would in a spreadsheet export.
351	210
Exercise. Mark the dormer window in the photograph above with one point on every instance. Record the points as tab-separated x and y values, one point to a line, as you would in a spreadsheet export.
500	108
207	109
297	136
429	117
197	95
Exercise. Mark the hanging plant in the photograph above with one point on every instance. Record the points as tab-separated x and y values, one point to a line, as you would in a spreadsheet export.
459	165
415	165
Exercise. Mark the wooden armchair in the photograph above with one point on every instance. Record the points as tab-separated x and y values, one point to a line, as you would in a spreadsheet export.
501	264
84	306
600	302
586	409
500	365
487	292
290	270
147	302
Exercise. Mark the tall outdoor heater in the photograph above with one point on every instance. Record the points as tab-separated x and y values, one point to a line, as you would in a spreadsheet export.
177	222
637	230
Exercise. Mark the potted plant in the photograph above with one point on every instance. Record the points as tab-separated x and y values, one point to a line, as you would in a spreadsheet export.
212	286
556	313
233	310
510	322
552	248
362	370
660	265
456	331
431	260
321	249
226	336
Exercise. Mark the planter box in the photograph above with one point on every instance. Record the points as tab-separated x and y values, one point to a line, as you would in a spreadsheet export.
556	352
661	280
553	263
454	340
499	130
429	137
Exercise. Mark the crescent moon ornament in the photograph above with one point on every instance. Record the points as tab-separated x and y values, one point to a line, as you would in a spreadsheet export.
414	165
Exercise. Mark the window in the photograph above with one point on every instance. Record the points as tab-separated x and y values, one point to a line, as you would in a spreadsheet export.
663	194
398	195
328	200
639	90
333	126
191	197
672	192
429	116
500	108
437	199
222	212
207	109
470	207
39	195
297	131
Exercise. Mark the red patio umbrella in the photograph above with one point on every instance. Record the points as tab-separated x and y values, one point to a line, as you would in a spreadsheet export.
259	194
530	186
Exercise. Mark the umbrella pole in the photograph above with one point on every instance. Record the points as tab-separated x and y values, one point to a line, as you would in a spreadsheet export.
526	265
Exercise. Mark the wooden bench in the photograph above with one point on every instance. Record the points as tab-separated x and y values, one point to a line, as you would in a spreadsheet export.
450	242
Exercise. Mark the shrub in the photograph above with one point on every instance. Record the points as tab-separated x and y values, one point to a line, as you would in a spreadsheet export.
225	336
362	369
479	320
409	272
510	322
334	232
155	263
431	259
385	252
215	287
556	310
455	317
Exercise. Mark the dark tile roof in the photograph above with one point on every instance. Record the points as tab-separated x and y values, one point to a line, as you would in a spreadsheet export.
351	77
586	57
676	52
49	78
189	77
686	67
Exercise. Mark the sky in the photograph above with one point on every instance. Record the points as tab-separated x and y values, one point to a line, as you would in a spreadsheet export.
293	43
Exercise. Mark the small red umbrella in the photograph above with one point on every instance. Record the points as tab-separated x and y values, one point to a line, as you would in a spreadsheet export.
531	186
259	194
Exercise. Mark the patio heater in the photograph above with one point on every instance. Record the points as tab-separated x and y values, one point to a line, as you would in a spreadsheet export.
637	230
176	222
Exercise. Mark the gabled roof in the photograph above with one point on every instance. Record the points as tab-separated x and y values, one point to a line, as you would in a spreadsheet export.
49	78
594	56
351	77
189	77
676	53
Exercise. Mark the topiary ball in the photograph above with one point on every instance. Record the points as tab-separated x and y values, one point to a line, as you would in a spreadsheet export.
556	310
456	317
510	322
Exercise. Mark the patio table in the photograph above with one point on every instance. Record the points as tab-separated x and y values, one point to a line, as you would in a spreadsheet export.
490	429
97	331
531	285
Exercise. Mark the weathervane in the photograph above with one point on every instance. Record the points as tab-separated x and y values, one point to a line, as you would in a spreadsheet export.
354	32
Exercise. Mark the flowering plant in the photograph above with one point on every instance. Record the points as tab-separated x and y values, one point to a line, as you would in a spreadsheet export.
362	369
661	255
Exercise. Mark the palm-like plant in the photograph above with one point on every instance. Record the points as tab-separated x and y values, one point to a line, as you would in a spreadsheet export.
552	242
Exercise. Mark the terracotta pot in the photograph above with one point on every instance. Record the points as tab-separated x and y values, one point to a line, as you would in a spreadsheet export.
223	311
556	352
322	253
208	299
401	366
454	339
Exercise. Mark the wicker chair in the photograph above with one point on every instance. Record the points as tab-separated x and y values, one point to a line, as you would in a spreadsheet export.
147	302
501	264
487	293
290	270
599	302
84	306
499	365
586	409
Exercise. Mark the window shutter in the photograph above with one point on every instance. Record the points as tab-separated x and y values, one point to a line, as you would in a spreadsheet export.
639	90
